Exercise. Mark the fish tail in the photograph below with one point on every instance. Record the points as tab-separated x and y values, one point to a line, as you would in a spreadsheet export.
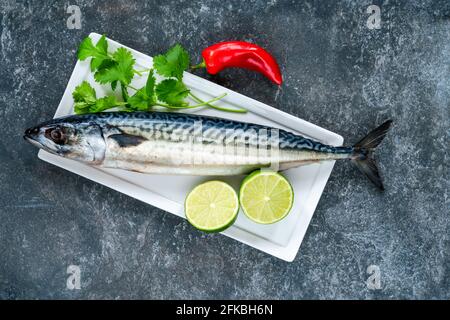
363	153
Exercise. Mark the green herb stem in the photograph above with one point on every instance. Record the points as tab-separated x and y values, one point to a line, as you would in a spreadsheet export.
123	88
208	103
140	72
203	103
131	87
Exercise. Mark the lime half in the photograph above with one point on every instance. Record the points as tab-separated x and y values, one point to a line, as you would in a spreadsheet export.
266	196
212	206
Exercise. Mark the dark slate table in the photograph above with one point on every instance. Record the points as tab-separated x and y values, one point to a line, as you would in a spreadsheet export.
340	72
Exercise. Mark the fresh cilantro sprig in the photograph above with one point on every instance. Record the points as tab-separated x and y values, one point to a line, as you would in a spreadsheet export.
109	68
86	100
98	53
173	92
145	97
173	63
118	68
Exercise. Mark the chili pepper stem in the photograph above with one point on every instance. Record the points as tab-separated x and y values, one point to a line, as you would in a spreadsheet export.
199	66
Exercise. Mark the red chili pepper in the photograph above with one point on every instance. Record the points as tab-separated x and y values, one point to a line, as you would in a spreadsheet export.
240	54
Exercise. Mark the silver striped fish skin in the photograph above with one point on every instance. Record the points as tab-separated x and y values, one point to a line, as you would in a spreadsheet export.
178	143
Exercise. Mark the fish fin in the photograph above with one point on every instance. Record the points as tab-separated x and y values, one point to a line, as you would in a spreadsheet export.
374	137
127	140
370	169
363	153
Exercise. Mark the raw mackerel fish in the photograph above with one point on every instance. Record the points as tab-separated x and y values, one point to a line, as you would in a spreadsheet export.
177	143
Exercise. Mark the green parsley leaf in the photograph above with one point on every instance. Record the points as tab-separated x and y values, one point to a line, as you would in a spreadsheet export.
86	49
144	98
120	69
150	84
98	53
86	100
173	63
103	104
102	45
106	64
84	93
140	101
81	107
102	49
172	92
114	85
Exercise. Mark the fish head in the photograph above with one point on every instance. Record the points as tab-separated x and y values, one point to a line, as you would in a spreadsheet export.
82	141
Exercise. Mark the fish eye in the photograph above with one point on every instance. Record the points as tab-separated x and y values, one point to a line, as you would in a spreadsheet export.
56	135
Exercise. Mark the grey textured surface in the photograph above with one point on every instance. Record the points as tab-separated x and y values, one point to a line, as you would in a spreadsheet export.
338	74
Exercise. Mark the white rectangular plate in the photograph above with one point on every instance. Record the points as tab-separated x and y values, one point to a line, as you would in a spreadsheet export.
281	239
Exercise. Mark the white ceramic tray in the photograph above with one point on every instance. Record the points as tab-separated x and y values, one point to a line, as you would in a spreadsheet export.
281	239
